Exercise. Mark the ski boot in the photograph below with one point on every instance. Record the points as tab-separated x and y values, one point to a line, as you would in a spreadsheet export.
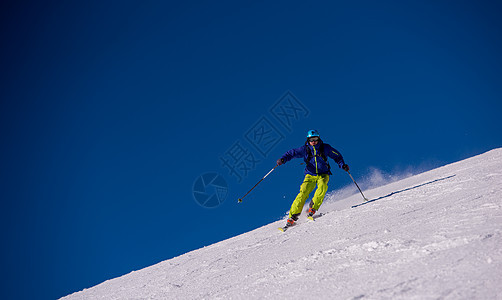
290	222
310	212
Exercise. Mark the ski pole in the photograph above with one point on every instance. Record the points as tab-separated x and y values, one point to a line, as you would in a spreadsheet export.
365	199
240	199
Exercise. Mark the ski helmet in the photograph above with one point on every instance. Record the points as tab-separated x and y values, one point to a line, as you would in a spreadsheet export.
312	133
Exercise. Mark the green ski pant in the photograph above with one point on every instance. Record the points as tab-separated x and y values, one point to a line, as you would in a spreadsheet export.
306	188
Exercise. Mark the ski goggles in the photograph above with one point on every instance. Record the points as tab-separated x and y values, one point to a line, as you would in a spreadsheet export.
314	139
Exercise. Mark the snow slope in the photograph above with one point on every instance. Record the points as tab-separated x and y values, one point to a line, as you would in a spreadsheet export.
434	235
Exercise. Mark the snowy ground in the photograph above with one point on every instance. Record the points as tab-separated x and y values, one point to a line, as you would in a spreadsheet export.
434	235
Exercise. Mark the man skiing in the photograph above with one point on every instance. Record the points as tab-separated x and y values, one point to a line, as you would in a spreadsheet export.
315	153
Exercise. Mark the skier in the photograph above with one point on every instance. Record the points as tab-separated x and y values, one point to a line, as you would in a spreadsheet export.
315	153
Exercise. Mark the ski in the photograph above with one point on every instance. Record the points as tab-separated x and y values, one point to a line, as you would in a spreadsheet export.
309	219
283	229
315	217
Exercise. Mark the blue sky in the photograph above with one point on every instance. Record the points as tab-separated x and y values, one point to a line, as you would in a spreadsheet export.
111	111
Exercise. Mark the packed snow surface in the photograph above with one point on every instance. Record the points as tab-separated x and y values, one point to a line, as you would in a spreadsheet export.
431	236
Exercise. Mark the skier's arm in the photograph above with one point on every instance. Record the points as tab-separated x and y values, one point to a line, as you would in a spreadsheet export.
293	153
334	154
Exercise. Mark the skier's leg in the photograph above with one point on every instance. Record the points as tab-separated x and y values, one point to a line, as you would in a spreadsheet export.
307	186
322	188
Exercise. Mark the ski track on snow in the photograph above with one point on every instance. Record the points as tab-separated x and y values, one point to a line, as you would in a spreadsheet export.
433	239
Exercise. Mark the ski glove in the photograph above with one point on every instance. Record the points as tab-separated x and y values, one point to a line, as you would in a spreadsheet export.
345	167
280	162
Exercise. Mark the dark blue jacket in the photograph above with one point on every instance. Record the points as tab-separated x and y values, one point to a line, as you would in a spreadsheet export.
316	164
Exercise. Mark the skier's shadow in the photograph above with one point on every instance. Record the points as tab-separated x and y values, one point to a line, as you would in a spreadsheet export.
411	188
